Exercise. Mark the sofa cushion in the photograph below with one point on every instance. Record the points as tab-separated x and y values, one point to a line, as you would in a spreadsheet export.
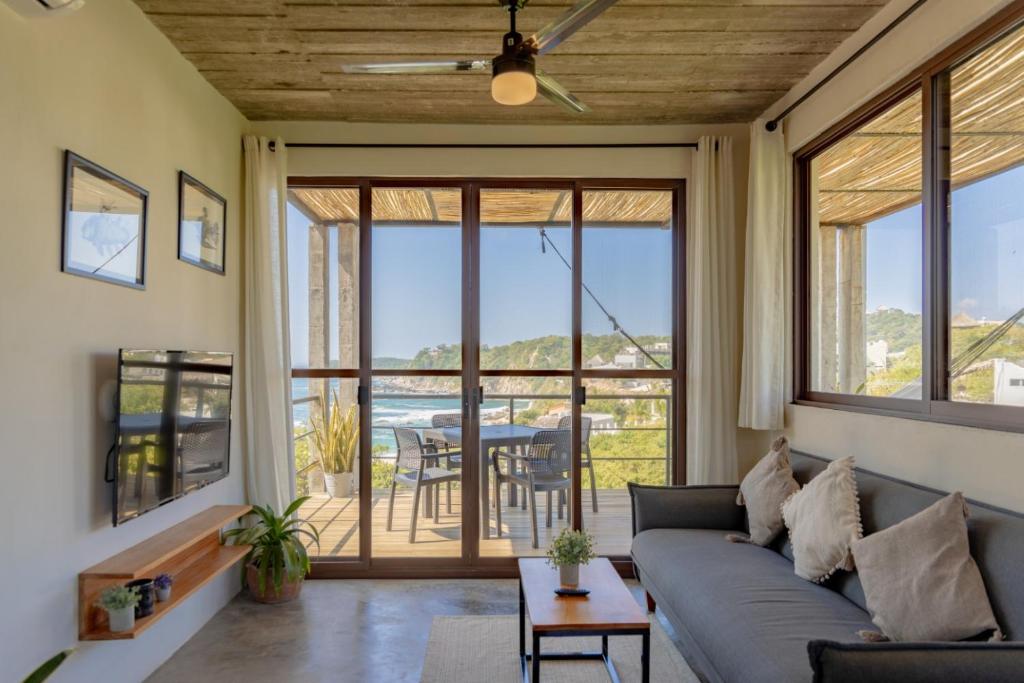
823	519
763	491
742	605
920	580
996	536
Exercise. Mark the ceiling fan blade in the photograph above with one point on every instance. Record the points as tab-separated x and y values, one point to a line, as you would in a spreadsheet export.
418	67
555	33
554	91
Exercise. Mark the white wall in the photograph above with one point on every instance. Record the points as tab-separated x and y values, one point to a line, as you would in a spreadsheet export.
984	464
106	84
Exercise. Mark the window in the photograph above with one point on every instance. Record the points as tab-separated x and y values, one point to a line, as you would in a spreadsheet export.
865	243
986	225
911	244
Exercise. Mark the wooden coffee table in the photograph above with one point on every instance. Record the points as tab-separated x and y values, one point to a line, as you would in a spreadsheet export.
609	610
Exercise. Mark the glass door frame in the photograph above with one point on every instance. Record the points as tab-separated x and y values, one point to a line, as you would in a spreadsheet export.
470	563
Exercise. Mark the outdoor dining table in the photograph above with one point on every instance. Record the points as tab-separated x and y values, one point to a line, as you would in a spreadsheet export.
492	437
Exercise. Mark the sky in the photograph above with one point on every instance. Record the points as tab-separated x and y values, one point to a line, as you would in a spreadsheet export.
987	246
524	293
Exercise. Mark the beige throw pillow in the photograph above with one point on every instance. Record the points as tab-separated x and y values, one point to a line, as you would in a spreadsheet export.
764	490
920	580
823	519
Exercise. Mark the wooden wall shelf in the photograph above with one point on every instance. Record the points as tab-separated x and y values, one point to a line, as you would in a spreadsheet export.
191	552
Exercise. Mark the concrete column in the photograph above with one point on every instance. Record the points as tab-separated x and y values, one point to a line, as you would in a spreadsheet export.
348	305
852	321
827	323
319	296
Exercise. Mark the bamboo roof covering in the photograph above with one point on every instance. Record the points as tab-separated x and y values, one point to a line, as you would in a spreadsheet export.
877	170
532	207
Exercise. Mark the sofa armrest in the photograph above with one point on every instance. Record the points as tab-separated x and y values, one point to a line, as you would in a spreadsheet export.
686	507
959	662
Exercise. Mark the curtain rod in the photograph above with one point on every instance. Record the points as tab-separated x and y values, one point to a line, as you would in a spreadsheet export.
420	145
774	123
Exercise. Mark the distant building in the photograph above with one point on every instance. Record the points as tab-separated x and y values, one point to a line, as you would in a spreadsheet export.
594	361
1008	382
629	359
961	319
877	355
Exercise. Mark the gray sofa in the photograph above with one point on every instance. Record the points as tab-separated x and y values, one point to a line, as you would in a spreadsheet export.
742	615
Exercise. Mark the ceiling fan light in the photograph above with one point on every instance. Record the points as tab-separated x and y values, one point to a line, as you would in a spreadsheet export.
513	80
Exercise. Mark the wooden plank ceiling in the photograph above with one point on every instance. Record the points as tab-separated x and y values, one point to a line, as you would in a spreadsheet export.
642	61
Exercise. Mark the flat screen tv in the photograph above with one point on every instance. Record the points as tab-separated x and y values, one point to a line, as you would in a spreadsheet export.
173	431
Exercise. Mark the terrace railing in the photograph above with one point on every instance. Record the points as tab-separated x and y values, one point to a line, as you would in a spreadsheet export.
388	457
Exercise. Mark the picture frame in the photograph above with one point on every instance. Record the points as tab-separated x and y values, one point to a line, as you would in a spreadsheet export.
202	225
103	229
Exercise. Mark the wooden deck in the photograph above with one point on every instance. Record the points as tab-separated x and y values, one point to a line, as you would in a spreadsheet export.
337	521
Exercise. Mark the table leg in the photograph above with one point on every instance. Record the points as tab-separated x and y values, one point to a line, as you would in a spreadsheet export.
645	659
536	659
512	487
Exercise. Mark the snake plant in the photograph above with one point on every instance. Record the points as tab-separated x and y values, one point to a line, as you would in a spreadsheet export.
336	434
277	548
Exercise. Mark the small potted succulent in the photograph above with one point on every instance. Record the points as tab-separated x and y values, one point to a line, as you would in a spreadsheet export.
568	551
120	601
163	583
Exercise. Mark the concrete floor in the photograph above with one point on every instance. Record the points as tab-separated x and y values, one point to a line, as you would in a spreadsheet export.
353	630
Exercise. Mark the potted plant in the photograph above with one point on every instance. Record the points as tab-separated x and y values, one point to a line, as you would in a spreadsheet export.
47	668
278	562
568	551
336	436
120	601
163	583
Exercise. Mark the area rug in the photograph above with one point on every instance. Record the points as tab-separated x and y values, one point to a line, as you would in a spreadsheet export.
486	650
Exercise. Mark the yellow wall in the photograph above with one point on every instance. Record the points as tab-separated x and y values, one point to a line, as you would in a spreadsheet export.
105	83
984	464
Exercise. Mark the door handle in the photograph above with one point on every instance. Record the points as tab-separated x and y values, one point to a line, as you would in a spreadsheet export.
465	403
581	396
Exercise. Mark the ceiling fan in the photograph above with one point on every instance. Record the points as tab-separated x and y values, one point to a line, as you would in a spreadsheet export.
515	78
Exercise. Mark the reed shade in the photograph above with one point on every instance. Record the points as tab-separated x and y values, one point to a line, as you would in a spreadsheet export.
876	170
497	206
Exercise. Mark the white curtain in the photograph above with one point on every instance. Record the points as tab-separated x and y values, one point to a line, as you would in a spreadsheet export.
270	466
765	304
712	353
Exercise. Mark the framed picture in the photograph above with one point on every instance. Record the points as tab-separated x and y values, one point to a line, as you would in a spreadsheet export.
104	226
201	224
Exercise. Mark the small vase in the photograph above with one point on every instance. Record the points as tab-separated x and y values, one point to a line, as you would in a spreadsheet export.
121	620
163	594
569	575
144	607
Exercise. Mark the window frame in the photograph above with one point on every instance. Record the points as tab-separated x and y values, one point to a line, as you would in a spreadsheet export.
932	80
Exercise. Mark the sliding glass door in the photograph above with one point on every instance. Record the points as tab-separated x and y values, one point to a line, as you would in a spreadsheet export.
479	365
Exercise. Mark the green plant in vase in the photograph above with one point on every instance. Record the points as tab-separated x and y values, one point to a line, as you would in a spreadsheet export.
336	437
120	601
278	561
568	551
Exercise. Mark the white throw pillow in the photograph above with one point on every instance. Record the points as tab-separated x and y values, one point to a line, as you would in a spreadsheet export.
763	491
823	519
919	578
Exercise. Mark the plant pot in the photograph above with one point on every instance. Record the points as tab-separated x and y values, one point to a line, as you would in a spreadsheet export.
145	605
163	594
338	485
289	589
121	620
569	575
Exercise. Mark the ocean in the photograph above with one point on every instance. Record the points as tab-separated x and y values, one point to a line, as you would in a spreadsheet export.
402	412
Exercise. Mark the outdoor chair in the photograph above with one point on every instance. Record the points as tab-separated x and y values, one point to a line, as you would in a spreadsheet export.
453	458
543	467
586	462
413	469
